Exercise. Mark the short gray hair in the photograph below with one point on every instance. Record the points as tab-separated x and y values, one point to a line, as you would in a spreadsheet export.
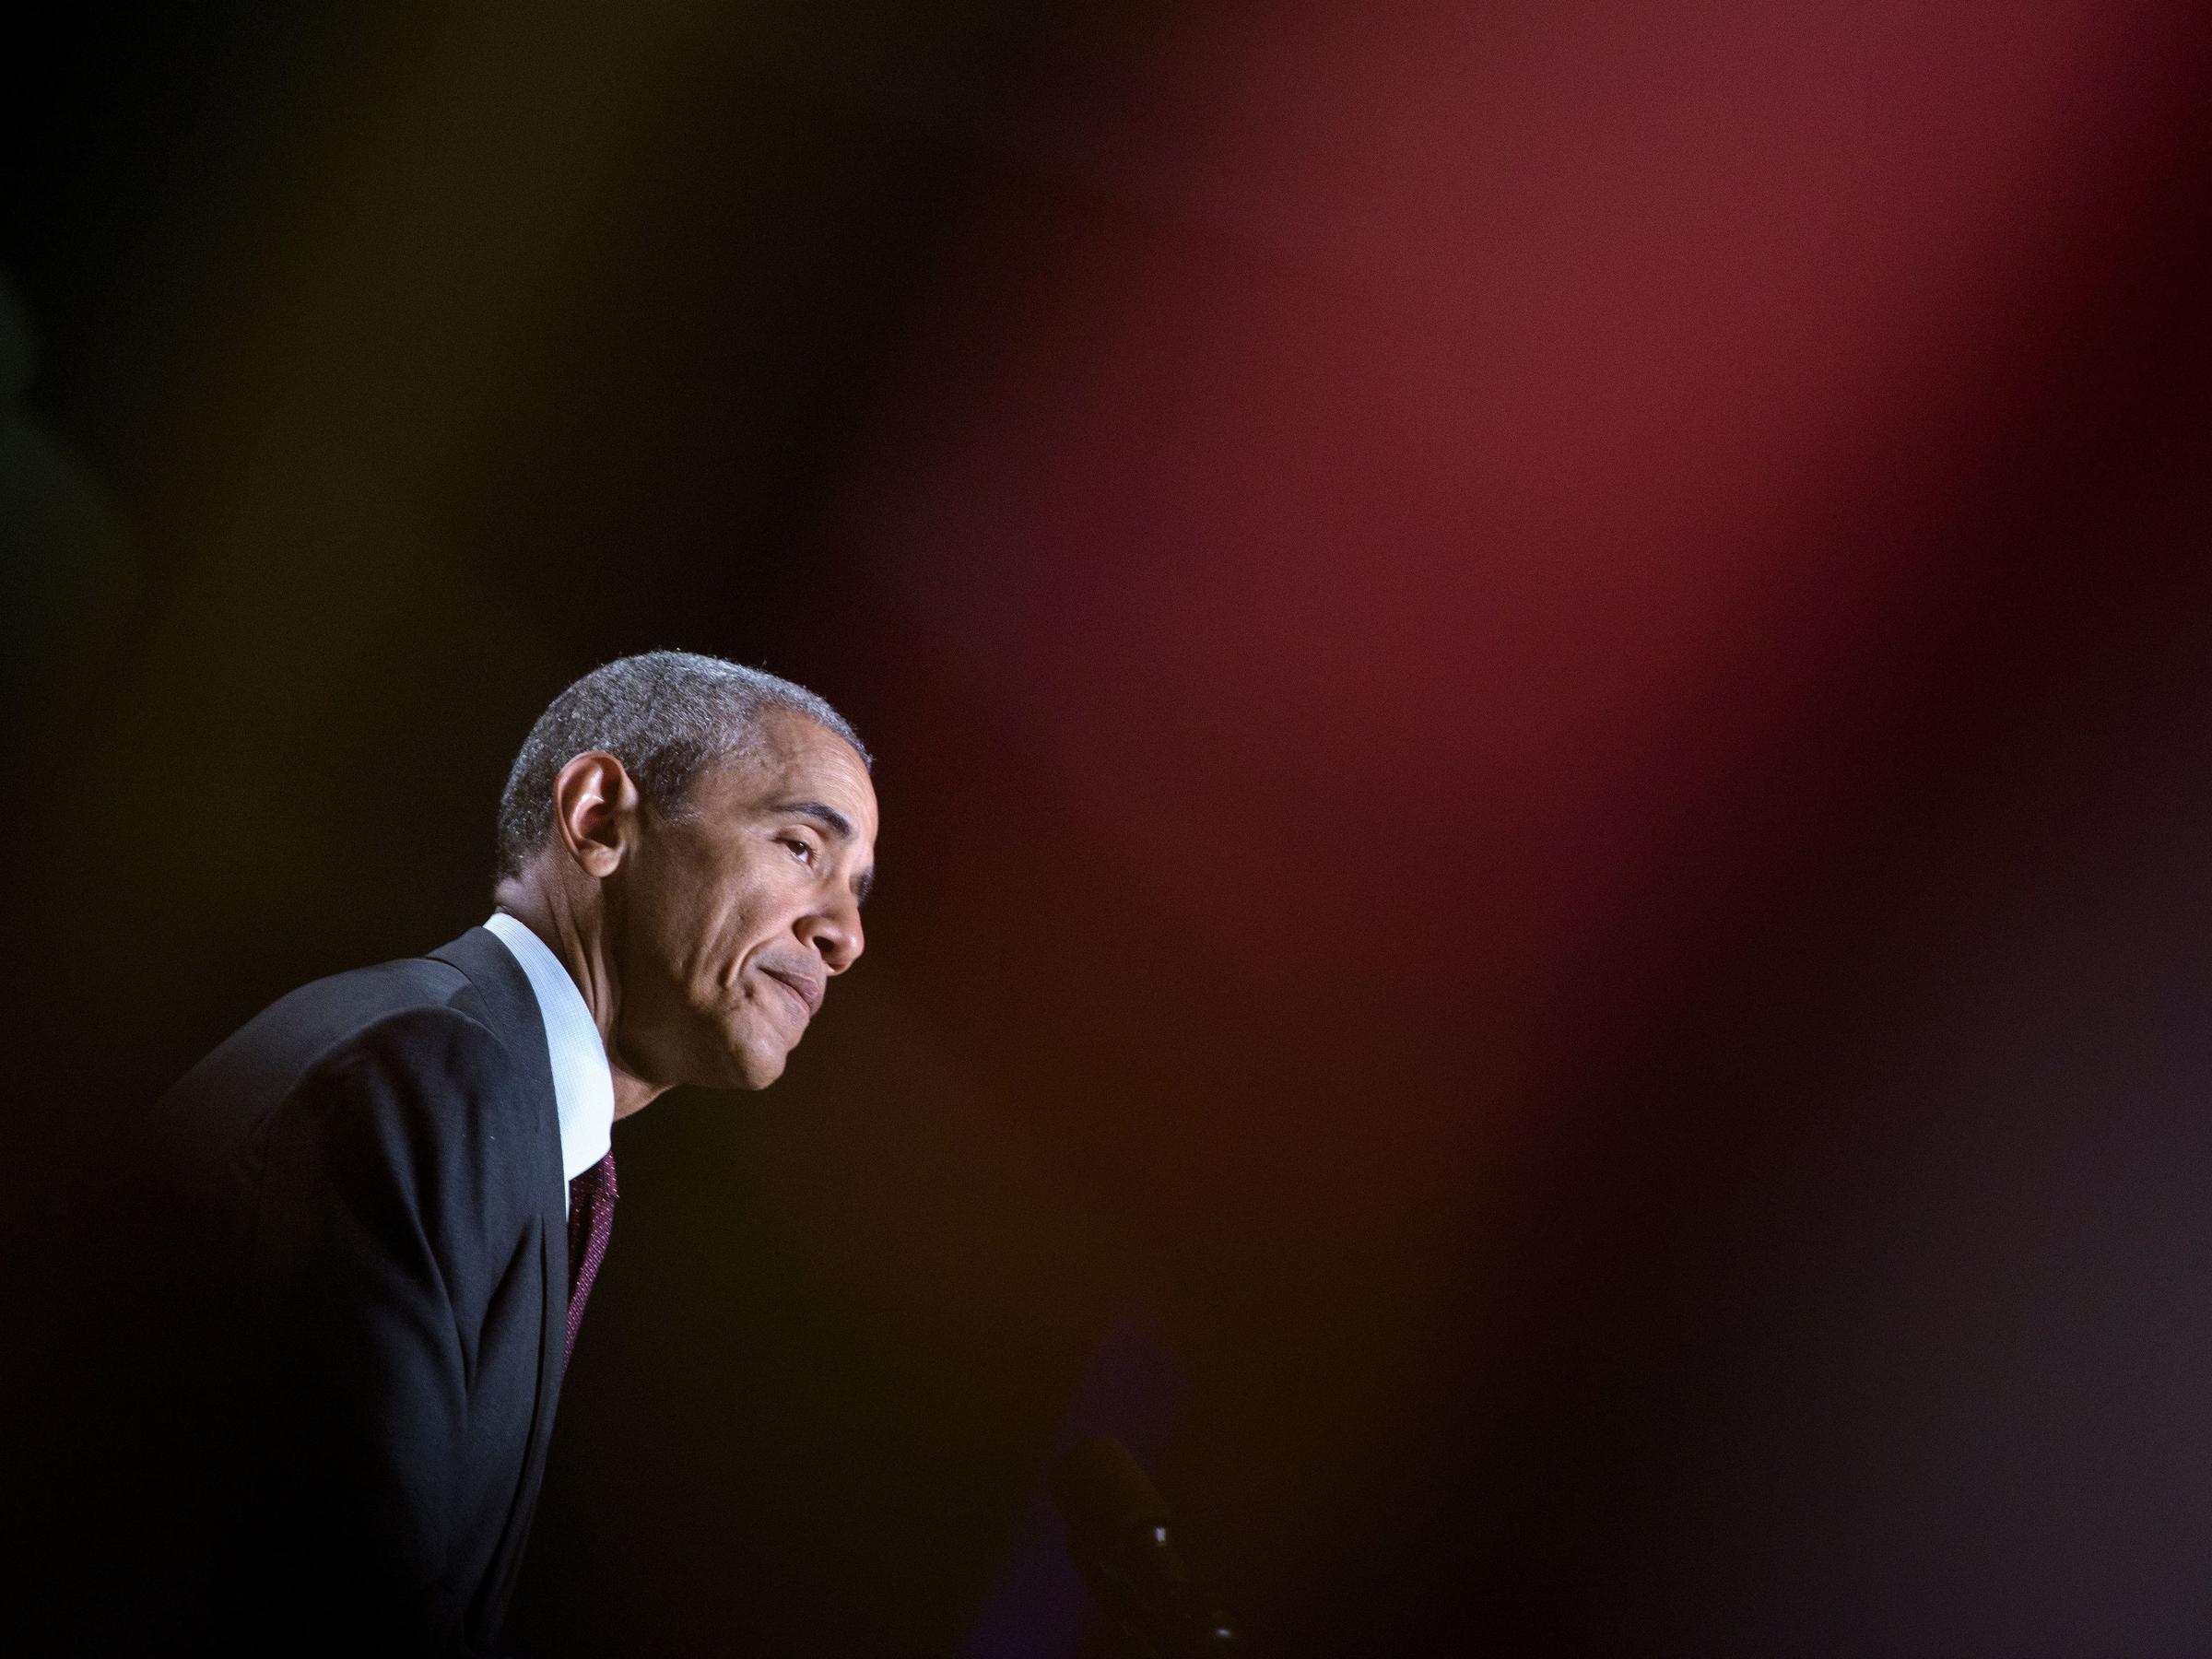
666	715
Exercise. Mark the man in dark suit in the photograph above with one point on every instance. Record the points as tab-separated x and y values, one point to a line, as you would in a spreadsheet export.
397	1183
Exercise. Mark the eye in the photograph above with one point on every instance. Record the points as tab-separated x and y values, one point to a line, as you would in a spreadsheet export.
800	849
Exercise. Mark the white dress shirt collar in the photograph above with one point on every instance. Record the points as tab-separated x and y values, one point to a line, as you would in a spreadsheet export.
584	1083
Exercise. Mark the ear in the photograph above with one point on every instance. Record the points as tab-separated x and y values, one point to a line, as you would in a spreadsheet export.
596	812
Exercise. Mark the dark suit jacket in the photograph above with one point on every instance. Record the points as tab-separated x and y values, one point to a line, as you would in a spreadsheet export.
372	1212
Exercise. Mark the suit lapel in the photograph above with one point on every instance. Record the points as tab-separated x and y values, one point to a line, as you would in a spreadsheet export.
510	1010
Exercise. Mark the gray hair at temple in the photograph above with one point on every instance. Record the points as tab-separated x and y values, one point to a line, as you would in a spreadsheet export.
666	715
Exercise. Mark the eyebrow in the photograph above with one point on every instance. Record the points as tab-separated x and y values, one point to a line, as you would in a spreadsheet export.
829	817
837	824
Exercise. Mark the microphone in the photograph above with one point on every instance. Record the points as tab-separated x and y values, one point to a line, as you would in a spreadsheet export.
1117	1535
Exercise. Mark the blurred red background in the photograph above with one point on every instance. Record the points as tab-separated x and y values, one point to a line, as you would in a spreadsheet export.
1539	675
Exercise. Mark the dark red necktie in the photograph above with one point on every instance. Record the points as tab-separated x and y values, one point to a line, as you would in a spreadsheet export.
591	1221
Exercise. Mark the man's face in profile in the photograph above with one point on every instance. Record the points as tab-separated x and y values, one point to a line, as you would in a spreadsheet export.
732	916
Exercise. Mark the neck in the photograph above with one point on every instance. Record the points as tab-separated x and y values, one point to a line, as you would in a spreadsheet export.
576	933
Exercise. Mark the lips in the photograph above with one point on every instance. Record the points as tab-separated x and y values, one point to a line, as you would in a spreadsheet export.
805	987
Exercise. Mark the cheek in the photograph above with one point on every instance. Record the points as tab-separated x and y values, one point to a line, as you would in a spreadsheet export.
676	924
723	929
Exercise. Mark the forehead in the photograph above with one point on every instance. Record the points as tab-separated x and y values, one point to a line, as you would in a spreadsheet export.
792	759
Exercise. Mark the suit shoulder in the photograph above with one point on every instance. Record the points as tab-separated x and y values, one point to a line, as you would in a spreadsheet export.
416	1007
436	1045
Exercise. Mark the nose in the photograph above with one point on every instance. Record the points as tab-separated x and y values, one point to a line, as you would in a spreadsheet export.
833	934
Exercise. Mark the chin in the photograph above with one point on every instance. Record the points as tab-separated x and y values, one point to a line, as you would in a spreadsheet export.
734	1048
750	1065
756	1076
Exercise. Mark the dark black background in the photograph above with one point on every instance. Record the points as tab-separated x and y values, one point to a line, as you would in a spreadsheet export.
392	368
